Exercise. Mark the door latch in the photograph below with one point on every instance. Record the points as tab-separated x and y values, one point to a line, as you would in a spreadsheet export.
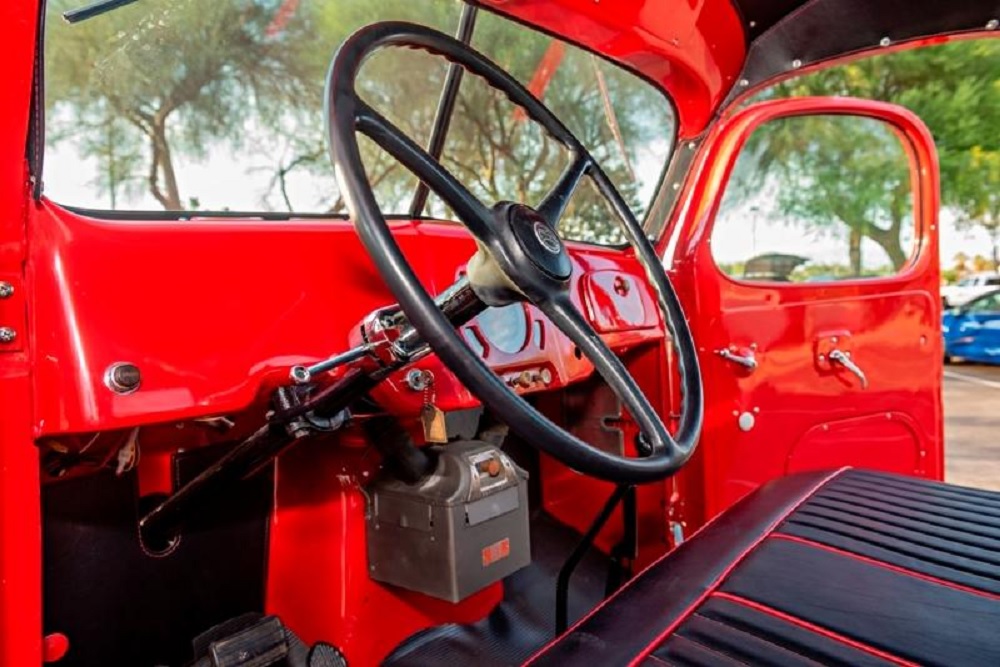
844	359
746	360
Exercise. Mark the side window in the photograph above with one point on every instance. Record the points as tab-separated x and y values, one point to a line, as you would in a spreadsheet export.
987	304
817	198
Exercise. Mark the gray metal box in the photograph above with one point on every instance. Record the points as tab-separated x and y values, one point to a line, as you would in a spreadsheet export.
461	529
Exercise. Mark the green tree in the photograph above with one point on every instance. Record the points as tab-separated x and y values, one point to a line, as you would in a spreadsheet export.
615	115
830	173
955	89
164	83
181	74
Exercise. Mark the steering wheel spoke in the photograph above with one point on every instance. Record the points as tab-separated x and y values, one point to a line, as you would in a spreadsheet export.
567	317
470	210
555	202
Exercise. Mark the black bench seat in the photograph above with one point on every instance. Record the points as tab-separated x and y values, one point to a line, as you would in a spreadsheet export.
838	568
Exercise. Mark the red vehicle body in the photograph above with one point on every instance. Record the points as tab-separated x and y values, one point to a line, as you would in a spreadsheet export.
216	310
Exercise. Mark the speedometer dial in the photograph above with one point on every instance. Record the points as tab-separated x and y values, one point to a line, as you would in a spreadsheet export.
504	328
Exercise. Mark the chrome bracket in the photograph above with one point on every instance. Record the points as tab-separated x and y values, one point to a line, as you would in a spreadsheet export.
844	359
747	360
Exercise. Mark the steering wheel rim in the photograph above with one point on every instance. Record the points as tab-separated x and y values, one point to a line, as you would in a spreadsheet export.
509	262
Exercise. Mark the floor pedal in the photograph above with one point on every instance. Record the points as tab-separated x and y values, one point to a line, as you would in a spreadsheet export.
260	645
253	640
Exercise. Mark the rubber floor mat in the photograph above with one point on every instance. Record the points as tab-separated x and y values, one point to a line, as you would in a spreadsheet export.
525	620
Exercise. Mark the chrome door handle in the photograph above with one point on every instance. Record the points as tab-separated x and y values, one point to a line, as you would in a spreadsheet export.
844	359
747	360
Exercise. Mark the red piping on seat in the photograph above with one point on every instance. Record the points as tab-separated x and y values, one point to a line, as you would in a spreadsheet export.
715	584
732	566
806	625
889	566
608	599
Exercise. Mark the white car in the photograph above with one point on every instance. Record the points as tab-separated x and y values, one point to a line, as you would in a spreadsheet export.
969	288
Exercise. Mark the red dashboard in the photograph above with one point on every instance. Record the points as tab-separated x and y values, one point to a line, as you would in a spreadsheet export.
214	311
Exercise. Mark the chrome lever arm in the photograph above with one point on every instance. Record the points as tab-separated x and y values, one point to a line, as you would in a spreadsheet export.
747	361
844	359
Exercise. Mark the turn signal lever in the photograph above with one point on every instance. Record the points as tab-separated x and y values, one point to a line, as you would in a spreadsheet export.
298	410
391	341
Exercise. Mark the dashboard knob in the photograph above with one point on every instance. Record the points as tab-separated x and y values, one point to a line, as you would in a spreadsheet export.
524	379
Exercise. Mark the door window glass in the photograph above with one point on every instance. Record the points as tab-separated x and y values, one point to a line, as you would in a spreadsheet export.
987	304
817	198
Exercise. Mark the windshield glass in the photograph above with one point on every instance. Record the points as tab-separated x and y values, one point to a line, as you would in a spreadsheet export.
192	106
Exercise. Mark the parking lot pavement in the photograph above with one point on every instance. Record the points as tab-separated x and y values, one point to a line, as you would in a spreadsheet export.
972	425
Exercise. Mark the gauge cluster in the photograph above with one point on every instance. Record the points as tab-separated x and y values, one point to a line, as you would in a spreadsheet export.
530	354
504	329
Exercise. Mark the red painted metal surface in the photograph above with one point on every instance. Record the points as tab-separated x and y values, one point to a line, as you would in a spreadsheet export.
219	333
20	499
890	324
318	568
693	50
214	312
187	303
575	499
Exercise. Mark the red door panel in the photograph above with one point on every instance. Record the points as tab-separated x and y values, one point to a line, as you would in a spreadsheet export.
796	409
889	441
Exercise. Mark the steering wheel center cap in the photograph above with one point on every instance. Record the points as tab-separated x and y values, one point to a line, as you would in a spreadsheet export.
547	238
538	242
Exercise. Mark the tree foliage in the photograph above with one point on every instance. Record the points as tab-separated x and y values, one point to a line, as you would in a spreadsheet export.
830	173
179	74
955	89
148	89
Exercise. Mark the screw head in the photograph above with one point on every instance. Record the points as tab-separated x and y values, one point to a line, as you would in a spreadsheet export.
122	377
992	24
299	374
7	335
622	286
6	290
419	380
796	63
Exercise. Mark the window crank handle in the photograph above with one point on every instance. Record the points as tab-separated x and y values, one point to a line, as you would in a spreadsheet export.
747	361
844	359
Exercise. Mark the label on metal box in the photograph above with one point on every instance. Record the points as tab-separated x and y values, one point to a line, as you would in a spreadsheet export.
496	552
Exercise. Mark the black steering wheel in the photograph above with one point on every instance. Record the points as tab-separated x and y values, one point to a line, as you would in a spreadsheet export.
520	257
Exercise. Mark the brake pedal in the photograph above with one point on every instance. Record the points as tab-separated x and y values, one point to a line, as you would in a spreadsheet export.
260	645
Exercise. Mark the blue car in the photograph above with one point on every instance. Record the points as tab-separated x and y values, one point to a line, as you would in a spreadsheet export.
972	331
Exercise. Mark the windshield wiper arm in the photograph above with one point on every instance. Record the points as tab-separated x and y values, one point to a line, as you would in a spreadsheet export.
94	9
